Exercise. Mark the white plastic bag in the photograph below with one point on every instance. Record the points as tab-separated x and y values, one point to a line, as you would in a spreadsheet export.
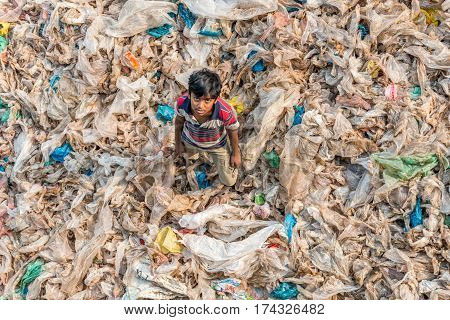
231	9
218	252
266	117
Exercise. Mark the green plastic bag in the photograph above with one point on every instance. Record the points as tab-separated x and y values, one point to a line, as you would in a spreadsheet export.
34	269
3	43
5	116
260	199
405	167
272	159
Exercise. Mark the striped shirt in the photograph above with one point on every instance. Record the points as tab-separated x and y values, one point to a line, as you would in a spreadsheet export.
210	134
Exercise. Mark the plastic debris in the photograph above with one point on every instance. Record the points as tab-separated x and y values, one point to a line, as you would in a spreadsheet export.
188	17
272	158
54	81
3	43
263	211
447	220
132	60
5	115
4	28
430	16
405	167
232	287
167	241
60	153
391	92
289	222
363	30
298	116
354	101
34	269
373	69
292	9
237	105
160	31
415	92
165	113
285	291
211	29
260	199
202	179
416	215
259	65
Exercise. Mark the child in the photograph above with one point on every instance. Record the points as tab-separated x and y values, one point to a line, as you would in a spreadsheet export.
203	123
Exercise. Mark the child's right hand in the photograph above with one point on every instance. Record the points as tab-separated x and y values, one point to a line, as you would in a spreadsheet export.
179	149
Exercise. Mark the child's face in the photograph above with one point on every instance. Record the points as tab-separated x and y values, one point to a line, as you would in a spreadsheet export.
202	106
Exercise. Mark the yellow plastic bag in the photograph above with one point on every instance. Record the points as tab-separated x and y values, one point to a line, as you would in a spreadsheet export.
430	16
167	241
4	28
237	105
372	69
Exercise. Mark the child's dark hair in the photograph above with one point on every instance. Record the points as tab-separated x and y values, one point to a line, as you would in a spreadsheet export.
205	83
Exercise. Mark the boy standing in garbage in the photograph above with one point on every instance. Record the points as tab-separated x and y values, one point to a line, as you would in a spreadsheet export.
204	121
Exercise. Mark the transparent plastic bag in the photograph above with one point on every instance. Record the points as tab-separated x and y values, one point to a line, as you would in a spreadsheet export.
231	9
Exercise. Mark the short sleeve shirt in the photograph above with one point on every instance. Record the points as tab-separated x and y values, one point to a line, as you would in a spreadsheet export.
212	133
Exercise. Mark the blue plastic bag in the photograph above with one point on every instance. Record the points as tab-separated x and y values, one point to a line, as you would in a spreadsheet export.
89	172
60	153
165	113
202	179
211	33
363	30
160	31
54	81
258	66
298	116
416	217
289	222
188	17
285	291
292	9
157	75
2	168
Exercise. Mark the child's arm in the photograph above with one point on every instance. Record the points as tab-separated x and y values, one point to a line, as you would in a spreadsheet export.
179	123
235	160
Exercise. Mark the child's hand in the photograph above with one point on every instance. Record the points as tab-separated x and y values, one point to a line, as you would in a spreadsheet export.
235	160
179	149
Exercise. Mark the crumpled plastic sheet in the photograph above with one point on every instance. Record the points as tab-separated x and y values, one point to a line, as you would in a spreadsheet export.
372	80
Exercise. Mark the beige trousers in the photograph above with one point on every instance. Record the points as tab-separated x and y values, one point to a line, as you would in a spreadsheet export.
221	157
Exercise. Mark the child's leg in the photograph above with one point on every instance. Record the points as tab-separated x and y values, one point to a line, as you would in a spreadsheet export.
227	174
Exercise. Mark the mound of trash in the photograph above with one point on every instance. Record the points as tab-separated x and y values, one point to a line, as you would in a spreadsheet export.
344	189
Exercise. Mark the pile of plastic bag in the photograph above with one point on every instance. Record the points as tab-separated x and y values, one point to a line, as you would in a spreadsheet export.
344	190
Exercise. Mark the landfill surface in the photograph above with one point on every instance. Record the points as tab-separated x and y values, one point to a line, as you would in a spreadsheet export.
344	188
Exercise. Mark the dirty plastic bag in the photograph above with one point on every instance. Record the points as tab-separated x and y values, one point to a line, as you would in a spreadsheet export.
405	167
231	9
137	16
225	256
266	115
